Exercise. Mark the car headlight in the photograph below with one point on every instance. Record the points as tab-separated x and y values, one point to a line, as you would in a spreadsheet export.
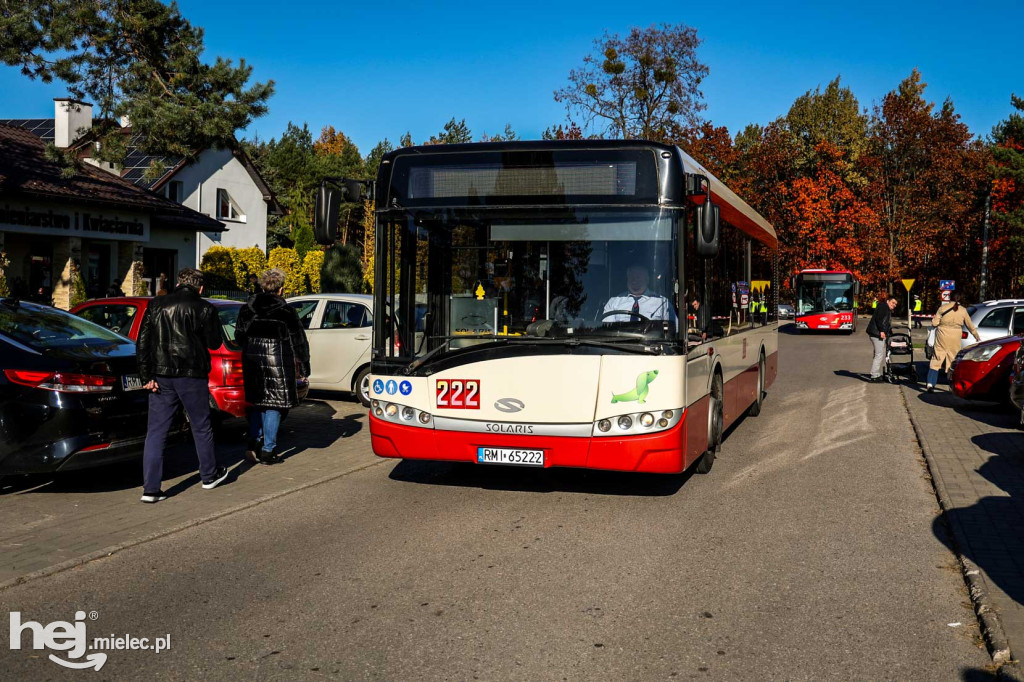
983	354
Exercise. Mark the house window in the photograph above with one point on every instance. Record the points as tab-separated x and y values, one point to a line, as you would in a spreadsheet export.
175	191
227	209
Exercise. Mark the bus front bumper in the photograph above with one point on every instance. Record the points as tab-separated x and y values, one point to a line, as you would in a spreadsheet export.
662	452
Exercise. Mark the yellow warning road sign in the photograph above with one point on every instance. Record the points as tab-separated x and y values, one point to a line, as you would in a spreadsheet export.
907	283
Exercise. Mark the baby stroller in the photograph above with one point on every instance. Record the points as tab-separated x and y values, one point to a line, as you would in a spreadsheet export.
899	358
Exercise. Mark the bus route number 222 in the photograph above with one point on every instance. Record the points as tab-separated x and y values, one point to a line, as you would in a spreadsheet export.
458	394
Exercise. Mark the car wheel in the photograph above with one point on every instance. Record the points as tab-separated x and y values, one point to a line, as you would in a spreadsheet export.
715	421
362	386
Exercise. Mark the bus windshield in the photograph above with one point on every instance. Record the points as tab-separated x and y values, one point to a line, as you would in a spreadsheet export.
462	277
816	297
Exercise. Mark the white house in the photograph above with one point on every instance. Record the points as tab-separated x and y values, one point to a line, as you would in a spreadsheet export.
220	183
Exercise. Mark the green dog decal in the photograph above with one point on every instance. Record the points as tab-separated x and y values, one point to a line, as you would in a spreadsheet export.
638	394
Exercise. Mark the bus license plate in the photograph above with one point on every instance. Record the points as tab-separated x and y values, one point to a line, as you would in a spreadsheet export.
132	382
530	458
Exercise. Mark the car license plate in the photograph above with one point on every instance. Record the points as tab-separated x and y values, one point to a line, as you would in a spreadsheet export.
132	382
530	458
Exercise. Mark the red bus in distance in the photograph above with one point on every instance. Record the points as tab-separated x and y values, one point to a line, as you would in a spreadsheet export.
826	300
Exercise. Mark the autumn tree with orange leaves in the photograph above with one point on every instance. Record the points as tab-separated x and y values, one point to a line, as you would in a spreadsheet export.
927	182
825	219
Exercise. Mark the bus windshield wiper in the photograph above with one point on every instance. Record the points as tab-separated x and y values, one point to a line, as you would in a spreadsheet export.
419	362
627	343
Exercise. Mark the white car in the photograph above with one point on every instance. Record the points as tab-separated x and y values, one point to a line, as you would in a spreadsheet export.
339	328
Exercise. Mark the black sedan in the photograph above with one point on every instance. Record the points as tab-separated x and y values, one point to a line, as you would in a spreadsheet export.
70	395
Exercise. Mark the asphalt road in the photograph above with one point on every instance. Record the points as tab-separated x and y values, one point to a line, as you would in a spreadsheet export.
807	553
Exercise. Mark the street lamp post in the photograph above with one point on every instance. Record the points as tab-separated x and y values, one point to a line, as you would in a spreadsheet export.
984	244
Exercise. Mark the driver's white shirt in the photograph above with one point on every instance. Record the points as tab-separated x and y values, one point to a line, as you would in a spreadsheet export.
652	306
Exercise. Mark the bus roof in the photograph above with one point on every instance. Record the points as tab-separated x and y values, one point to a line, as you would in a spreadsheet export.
737	212
732	208
823	271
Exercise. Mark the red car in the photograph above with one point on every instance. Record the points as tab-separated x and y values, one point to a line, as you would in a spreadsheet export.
983	371
123	315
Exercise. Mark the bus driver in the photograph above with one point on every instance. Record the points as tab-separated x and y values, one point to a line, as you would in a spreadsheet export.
639	299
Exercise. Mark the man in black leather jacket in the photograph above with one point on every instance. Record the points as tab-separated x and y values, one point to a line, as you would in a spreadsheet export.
177	334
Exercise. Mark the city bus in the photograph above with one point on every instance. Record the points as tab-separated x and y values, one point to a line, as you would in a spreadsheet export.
597	304
826	300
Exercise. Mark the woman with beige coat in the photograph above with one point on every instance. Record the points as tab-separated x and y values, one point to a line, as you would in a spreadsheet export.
950	321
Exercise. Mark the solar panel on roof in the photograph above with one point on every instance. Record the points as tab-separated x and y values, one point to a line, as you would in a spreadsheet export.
41	127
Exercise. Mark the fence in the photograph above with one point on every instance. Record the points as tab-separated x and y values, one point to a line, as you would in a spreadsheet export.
229	294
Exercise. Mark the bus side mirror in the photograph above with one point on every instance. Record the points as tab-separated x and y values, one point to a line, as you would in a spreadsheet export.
856	288
792	282
707	230
325	218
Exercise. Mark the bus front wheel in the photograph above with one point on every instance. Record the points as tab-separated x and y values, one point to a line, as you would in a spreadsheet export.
715	421
755	407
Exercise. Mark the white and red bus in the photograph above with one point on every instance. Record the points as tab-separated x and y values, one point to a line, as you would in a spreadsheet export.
598	304
826	300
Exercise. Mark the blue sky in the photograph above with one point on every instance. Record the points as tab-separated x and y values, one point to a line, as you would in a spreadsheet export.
376	70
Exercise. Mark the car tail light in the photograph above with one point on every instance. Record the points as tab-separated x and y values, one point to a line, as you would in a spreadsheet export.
233	372
963	335
62	382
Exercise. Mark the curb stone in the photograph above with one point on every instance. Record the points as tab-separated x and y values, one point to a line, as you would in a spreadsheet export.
1011	672
991	627
113	549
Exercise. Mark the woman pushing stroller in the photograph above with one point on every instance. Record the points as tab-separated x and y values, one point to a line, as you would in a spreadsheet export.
949	322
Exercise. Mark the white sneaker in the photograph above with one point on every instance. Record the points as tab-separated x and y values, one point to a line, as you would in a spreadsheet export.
218	477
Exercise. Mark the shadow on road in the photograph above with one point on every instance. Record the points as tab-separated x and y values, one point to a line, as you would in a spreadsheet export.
553	480
862	376
979	675
989	529
310	426
317	429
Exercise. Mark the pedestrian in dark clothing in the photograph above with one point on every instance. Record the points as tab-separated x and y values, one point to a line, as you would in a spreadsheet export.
177	334
273	342
115	289
879	328
254	285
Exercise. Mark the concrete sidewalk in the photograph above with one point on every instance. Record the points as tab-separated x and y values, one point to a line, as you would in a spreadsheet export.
975	453
64	519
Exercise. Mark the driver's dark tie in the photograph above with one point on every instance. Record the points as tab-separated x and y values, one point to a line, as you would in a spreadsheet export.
636	309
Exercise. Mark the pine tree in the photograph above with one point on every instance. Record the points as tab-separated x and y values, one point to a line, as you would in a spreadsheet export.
139	59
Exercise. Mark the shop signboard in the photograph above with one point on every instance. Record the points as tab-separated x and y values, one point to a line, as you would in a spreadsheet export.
88	223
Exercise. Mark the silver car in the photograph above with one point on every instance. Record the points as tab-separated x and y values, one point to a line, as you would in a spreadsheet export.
786	311
995	319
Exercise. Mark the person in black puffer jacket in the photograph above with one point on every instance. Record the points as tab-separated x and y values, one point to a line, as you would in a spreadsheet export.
273	342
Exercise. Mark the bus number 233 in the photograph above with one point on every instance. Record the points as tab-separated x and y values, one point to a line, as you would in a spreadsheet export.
458	394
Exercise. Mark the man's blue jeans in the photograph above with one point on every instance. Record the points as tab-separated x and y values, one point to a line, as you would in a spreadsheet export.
194	395
264	423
